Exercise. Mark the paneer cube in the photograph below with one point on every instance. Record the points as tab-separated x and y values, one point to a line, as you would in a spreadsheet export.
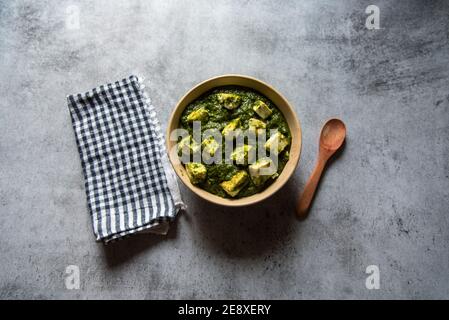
210	145
236	184
188	146
240	154
230	127
262	109
261	170
200	114
196	172
279	139
229	100
256	126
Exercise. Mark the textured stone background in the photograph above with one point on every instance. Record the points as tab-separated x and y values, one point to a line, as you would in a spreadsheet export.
383	202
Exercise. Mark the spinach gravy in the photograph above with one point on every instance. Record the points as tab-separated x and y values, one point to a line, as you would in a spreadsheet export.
228	109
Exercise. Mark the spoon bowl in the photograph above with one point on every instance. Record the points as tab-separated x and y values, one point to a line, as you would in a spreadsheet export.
333	134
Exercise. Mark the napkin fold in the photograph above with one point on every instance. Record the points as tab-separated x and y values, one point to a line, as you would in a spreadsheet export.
130	185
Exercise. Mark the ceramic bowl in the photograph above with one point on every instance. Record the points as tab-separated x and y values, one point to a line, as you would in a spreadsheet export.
282	104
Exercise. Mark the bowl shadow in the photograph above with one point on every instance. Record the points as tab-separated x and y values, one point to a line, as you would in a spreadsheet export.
245	232
235	232
121	251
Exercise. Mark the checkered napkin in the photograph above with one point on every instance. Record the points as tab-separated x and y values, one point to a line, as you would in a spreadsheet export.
130	185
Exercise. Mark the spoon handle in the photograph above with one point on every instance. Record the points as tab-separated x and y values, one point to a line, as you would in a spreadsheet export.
309	190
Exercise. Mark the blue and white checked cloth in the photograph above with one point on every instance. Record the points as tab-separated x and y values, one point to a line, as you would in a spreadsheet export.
129	182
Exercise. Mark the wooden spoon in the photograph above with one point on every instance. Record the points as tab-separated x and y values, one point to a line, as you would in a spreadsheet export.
332	136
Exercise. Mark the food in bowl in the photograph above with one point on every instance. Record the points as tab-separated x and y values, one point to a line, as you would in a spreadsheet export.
251	123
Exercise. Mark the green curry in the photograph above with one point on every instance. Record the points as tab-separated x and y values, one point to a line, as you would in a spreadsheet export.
228	109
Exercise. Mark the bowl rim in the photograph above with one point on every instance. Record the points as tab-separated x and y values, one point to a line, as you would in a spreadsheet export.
258	197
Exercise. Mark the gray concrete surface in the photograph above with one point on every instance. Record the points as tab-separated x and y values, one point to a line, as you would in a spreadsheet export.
383	202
